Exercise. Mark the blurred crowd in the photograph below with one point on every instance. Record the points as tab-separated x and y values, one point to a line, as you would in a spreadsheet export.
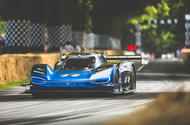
65	47
172	55
69	47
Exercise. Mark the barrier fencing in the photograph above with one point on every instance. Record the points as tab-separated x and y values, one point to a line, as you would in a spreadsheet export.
25	34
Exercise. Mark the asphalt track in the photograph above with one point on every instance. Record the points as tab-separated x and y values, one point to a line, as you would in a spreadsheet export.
18	108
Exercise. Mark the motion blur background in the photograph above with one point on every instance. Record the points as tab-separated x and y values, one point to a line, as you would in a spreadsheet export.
155	26
158	28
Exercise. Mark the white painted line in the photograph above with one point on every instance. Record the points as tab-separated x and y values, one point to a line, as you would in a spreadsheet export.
164	74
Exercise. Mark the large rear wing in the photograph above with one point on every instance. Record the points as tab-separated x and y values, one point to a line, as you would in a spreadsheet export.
143	58
123	57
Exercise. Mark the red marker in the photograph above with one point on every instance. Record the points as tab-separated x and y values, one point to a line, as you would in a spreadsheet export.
131	47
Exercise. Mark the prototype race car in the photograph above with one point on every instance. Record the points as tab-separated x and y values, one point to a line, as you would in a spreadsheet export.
85	72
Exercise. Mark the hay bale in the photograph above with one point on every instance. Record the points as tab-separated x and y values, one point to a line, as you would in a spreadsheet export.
16	67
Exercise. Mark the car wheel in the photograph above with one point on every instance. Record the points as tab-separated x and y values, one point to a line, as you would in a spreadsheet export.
116	81
128	79
133	79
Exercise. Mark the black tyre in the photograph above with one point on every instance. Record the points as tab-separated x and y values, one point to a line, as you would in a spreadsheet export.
128	79
125	79
116	81
133	78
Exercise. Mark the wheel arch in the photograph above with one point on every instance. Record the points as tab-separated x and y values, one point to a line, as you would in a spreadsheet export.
126	66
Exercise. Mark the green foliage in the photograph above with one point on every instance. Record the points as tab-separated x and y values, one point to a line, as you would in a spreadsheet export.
163	8
151	12
2	26
160	38
87	3
116	18
13	84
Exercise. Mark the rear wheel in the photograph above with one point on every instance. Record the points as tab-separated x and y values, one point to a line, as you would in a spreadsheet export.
128	79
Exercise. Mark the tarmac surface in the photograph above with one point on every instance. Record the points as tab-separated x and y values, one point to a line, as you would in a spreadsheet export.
19	108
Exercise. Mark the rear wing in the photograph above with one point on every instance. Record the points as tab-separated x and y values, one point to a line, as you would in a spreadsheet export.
123	57
143	58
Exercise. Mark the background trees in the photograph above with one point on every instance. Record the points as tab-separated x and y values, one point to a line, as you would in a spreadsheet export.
116	18
162	38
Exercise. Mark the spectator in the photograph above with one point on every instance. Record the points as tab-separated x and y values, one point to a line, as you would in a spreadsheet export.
69	47
178	54
62	48
46	47
152	56
77	47
2	44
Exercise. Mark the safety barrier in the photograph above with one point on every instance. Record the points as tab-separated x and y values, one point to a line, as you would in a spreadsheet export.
16	67
185	54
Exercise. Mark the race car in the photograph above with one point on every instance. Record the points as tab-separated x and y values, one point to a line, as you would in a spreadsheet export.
85	72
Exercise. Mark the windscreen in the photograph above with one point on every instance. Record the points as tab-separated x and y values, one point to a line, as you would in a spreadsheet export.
76	64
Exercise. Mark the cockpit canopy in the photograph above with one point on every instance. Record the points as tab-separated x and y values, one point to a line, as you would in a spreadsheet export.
81	61
75	64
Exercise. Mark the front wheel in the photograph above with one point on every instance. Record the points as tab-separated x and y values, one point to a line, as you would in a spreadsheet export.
133	79
116	82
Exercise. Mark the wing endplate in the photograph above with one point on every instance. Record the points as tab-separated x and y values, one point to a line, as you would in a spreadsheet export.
144	60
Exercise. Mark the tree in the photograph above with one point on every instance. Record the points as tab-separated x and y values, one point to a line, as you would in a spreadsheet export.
161	38
115	18
2	26
110	17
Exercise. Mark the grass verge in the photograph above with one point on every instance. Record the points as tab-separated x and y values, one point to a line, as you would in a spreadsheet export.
172	108
13	84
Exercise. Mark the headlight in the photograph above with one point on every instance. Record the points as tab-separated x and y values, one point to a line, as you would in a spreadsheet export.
38	80
39	69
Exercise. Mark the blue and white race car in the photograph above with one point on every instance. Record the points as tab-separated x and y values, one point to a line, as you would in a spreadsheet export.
85	72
